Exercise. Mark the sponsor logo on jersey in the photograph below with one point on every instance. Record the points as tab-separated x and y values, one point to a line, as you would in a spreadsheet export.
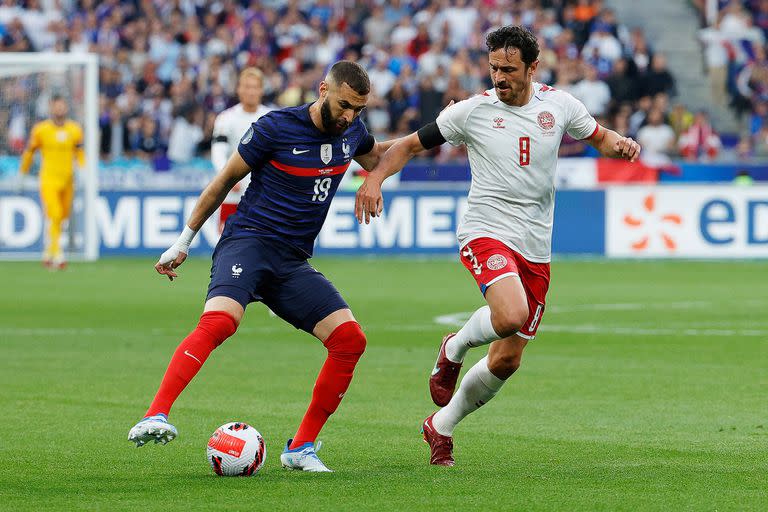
236	270
496	262
248	136
498	122
546	120
326	153
61	135
297	152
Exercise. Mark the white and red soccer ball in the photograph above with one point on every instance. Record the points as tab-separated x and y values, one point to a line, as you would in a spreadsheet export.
236	449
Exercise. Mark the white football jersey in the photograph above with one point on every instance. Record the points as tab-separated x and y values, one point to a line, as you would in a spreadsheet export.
228	129
513	156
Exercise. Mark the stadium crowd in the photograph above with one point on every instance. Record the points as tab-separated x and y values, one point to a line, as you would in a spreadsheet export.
735	56
169	67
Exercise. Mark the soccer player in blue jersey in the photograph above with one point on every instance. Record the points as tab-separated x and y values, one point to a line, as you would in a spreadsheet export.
296	158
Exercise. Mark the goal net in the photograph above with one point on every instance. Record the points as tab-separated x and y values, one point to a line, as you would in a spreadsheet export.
27	83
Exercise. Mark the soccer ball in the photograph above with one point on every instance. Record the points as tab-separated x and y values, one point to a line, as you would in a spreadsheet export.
236	449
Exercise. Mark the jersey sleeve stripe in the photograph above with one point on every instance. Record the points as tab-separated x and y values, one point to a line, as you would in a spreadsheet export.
309	171
594	132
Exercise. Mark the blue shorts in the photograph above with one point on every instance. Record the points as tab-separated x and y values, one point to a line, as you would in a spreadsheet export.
249	268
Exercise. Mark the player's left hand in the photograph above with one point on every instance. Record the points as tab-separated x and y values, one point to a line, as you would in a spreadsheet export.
368	200
169	261
627	148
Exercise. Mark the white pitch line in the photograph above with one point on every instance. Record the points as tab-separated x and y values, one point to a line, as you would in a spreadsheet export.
635	331
629	306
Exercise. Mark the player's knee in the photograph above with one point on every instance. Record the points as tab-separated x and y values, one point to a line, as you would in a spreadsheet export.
347	340
219	325
508	322
505	364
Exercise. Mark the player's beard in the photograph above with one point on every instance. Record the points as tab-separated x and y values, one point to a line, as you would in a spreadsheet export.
508	93
334	126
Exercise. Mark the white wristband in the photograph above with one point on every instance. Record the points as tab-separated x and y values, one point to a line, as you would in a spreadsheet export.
185	239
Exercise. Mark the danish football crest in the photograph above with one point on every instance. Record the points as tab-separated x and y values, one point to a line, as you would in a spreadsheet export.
496	262
546	120
326	153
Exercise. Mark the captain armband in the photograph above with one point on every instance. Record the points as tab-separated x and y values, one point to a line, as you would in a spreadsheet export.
430	136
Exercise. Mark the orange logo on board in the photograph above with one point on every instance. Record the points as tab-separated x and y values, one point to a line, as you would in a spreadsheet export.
637	222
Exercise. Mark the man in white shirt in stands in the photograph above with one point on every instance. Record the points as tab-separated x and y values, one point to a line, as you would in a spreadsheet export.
229	128
512	133
657	139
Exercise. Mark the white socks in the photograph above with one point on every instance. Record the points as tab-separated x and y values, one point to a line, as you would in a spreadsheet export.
476	332
478	386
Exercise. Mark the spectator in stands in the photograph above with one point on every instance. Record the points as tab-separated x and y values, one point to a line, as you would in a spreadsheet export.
186	134
459	18
15	38
377	28
623	86
430	99
761	143
146	140
656	138
759	118
752	81
700	141
593	92
382	77
435	57
603	42
680	119
716	59
637	119
658	78
639	50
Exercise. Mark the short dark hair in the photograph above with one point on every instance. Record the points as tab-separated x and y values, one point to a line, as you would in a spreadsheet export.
351	73
514	37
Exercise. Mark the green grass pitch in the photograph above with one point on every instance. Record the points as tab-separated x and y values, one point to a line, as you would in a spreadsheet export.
647	389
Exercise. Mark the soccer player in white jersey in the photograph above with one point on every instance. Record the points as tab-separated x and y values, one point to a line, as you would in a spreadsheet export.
229	128
512	133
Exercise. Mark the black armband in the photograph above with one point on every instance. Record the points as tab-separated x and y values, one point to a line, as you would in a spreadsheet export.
220	138
365	146
430	136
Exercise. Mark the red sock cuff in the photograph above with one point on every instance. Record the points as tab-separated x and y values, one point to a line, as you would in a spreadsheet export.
347	338
220	325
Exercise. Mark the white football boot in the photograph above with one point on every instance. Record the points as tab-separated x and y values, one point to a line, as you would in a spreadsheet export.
152	428
303	458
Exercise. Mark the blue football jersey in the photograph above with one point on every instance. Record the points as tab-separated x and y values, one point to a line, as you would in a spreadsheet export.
295	171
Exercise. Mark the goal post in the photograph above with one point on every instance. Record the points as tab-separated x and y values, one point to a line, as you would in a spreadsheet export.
27	82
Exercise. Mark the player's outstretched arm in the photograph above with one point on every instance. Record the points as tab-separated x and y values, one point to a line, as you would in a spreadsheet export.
612	145
368	201
370	160
210	199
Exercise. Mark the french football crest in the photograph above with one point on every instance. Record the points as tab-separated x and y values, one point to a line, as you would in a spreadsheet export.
326	153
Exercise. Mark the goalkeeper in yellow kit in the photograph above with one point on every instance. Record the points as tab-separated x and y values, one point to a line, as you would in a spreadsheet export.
60	141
